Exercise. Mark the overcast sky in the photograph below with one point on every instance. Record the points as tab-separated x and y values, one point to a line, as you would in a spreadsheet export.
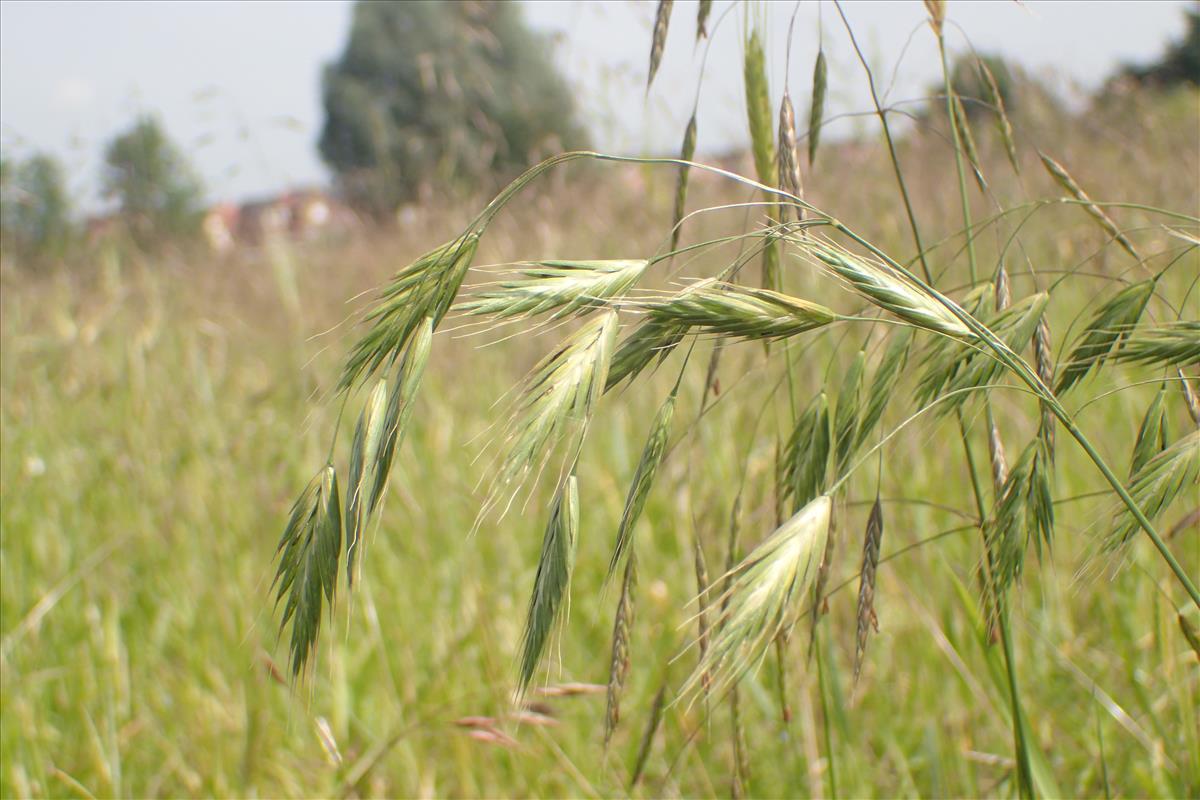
238	84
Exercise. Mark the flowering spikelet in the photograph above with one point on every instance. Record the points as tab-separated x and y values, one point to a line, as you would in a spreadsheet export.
1004	125
817	110
741	311
1104	332
564	287
681	180
1064	179
1158	482
767	589
1168	344
662	18
789	157
552	582
643	479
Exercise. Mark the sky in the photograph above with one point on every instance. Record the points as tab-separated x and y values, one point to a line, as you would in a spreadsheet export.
237	84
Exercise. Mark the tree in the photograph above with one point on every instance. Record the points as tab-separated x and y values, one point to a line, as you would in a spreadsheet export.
452	93
1181	62
35	207
150	178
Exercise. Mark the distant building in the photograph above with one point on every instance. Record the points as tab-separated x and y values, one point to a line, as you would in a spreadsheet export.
302	214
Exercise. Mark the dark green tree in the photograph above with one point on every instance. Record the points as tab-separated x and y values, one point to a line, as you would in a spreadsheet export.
152	182
1181	62
35	208
448	93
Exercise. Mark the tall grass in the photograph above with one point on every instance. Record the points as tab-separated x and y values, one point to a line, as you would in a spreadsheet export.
158	420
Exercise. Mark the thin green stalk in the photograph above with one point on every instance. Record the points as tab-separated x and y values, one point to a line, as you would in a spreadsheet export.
826	727
958	161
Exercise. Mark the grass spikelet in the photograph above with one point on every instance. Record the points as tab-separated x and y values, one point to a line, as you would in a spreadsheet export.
949	369
1157	483
1043	361
1003	123
426	288
817	111
619	658
662	18
758	111
681	181
883	384
561	391
1152	437
883	286
400	408
846	414
564	287
308	560
999	460
643	478
1190	400
767	589
647	742
937	15
702	584
552	582
789	156
654	337
967	139
866	584
1003	289
741	311
1111	322
1171	344
702	14
806	455
364	456
1064	179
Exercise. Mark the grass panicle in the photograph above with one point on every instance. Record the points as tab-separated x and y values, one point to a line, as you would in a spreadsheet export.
1104	332
883	286
643	479
805	461
1152	436
619	656
790	179
686	153
1169	344
559	394
563	287
552	582
426	288
764	600
702	14
865	616
1064	179
817	110
847	413
308	563
662	19
1159	481
741	311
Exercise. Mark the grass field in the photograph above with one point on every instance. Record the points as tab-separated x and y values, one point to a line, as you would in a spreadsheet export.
160	413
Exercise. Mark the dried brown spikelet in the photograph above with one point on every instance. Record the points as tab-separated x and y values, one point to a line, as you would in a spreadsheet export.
789	157
702	19
618	665
1064	179
1002	121
817	110
937	15
1003	290
867	619
681	181
662	18
963	129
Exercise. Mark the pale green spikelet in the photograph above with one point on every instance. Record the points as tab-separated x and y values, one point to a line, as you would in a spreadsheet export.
790	180
643	479
662	19
963	128
817	110
1159	481
1168	344
1111	322
426	288
364	456
654	337
805	459
740	311
563	287
846	413
1152	437
1064	179
1003	123
767	590
758	110
883	384
681	181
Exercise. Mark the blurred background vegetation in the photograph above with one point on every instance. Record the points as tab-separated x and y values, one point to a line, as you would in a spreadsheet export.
164	395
